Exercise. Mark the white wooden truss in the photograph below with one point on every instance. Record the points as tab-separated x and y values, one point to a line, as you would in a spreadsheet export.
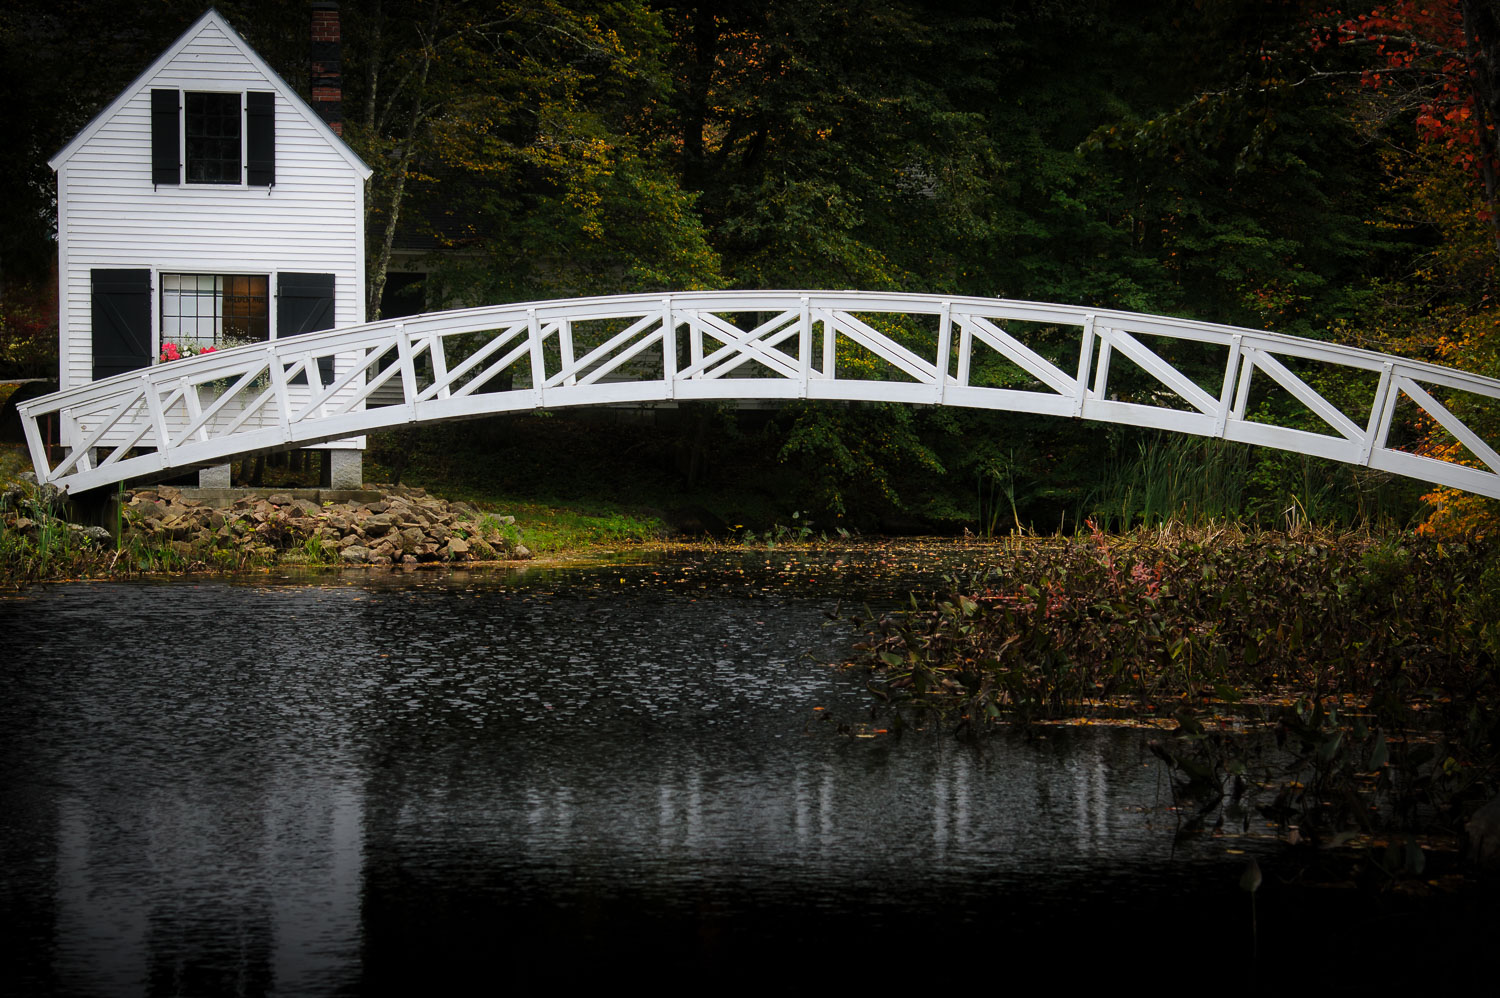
1117	367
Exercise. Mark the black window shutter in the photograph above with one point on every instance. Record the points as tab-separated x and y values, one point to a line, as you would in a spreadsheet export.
121	321
166	138
260	139
304	304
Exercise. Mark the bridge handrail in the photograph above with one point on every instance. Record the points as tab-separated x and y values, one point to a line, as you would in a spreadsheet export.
133	406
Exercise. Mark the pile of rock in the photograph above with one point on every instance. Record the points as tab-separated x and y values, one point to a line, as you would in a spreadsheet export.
396	527
28	510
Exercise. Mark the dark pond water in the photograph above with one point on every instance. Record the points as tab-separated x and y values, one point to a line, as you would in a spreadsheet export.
364	784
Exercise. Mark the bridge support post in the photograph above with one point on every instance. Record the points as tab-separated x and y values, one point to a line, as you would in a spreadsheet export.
214	477
345	469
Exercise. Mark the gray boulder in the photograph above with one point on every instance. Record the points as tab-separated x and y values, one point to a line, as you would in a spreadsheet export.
1483	834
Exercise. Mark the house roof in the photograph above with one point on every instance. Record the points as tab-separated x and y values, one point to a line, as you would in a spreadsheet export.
212	17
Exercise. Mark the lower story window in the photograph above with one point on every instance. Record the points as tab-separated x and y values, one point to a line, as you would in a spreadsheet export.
213	310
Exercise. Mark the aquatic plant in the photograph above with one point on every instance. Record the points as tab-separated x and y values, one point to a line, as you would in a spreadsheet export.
1064	624
1372	660
36	541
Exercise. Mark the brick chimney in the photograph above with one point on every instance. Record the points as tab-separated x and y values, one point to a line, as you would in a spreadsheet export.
326	78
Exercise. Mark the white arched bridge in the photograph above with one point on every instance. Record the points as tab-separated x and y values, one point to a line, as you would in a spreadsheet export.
1345	403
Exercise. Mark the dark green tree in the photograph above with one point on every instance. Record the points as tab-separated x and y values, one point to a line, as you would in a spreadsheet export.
512	135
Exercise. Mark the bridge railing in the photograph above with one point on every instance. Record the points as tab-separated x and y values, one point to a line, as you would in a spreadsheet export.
1120	367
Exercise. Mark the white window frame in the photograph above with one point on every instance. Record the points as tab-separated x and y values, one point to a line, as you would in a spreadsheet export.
230	270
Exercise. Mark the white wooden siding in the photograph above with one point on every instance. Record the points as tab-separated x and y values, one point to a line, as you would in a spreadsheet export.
111	216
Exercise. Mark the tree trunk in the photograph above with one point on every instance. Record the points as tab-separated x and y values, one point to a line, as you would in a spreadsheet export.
1481	21
393	216
699	73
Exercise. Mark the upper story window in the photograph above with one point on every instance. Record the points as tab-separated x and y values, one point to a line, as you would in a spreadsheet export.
211	126
228	138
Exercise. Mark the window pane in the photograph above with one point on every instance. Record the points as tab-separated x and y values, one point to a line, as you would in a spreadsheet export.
214	309
212	127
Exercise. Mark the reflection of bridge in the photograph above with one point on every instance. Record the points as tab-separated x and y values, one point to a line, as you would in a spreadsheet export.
1119	367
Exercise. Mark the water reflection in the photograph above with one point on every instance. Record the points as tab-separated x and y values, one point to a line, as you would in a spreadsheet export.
298	789
169	893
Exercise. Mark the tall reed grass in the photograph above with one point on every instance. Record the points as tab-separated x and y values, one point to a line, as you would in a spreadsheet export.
1172	477
1196	480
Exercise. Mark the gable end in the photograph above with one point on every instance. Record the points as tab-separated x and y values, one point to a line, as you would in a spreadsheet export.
273	80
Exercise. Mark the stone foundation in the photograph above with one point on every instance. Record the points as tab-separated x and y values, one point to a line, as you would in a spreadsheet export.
393	527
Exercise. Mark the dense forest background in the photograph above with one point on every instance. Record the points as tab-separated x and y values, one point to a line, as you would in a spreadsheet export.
1279	165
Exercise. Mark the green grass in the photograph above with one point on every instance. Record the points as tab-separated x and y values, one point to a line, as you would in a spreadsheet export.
13	461
556	528
49	547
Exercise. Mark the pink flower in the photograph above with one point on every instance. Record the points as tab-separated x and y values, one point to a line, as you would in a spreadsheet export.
208	350
169	351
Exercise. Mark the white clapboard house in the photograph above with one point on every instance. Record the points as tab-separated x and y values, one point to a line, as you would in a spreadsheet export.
208	205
